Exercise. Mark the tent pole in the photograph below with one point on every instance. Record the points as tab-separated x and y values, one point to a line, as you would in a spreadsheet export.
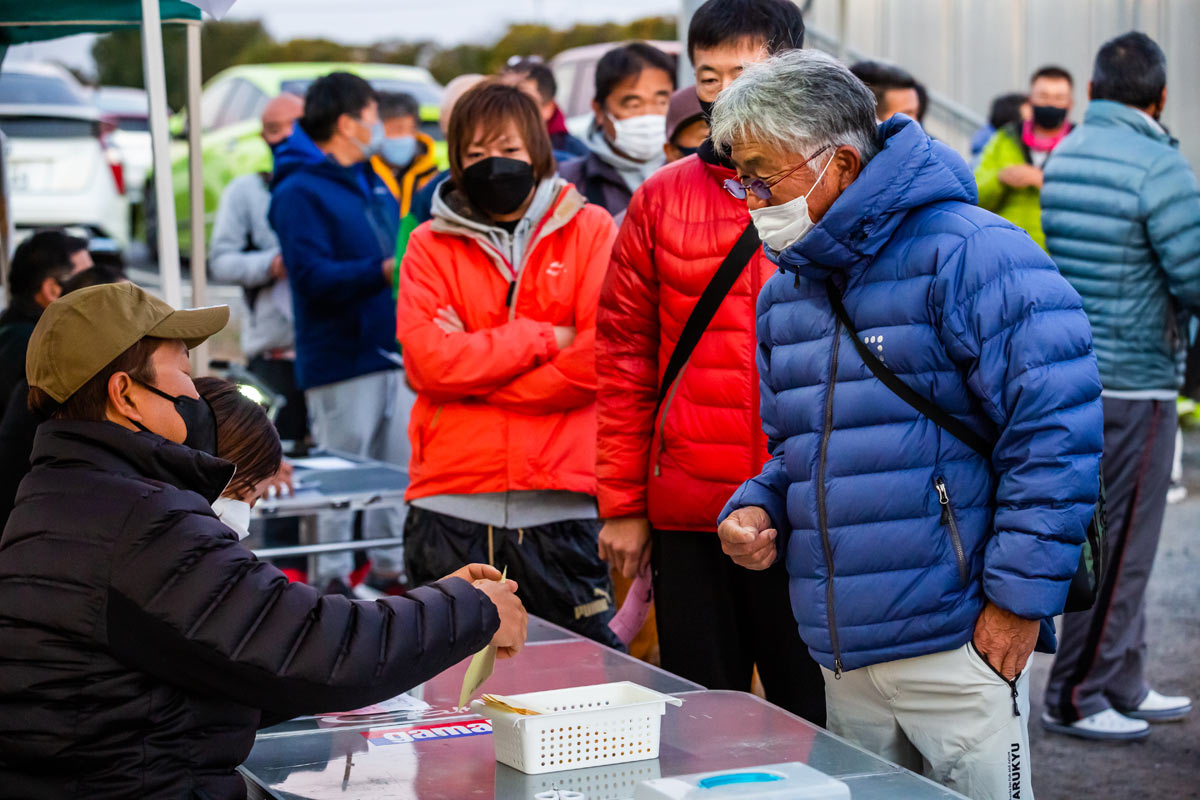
196	190
156	88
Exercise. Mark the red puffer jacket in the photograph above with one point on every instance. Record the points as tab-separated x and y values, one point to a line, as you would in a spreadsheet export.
680	468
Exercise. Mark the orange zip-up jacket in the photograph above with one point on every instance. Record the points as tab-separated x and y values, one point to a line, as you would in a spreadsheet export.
500	407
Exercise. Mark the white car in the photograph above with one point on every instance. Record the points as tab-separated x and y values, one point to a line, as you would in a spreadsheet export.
125	119
61	171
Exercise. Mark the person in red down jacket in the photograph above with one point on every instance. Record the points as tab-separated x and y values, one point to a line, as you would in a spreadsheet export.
664	473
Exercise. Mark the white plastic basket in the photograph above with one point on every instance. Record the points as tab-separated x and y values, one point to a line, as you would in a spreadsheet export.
587	726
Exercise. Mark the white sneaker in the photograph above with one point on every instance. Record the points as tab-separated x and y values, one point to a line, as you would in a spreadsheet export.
1176	494
1106	724
1161	708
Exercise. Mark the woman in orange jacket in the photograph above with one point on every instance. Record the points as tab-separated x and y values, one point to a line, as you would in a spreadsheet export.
496	320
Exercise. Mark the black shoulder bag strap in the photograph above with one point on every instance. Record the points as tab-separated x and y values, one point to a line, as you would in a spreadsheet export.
955	427
1086	582
706	307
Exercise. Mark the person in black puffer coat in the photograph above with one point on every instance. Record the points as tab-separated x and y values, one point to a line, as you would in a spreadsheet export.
140	645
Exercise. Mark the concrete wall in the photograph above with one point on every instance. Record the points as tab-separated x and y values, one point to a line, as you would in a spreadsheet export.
969	51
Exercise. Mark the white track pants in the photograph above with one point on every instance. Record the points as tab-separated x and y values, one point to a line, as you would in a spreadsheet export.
948	715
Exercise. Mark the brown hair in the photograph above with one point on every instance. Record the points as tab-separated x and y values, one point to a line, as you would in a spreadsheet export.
90	401
245	436
489	107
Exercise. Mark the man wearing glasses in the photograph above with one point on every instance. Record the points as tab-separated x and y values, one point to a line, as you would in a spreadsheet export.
677	394
933	408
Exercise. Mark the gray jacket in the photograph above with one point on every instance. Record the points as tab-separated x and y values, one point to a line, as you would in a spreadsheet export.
243	246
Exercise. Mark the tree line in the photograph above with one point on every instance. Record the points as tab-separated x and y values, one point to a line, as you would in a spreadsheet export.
229	43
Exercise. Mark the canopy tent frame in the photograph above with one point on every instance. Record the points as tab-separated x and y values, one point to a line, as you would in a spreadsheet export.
24	22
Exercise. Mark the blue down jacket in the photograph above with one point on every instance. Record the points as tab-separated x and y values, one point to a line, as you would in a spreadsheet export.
336	225
967	310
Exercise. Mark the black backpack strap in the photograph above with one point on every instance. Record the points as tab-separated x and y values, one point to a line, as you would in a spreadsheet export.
706	307
943	419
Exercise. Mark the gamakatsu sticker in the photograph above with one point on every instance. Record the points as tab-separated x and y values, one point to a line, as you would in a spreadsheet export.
384	736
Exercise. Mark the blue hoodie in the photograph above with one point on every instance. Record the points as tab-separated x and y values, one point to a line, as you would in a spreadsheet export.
967	310
336	226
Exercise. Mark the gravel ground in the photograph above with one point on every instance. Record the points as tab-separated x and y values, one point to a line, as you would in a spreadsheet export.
1167	763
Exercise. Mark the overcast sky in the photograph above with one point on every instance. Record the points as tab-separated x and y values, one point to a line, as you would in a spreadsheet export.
364	21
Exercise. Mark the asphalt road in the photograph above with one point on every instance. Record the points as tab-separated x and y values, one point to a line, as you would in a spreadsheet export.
1165	765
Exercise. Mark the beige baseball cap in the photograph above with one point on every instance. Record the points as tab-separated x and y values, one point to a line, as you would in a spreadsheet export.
80	334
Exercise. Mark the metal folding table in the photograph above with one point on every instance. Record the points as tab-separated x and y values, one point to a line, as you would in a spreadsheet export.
355	484
435	753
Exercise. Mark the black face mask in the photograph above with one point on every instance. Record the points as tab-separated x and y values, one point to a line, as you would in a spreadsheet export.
687	151
498	186
197	417
706	109
1049	117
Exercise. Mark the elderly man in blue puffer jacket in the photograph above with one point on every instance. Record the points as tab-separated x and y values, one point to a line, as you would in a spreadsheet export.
920	572
1121	211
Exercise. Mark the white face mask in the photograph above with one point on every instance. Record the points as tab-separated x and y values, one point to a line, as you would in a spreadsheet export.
782	226
641	138
235	514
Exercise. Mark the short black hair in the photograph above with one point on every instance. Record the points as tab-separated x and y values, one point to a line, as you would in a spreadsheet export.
331	96
98	275
45	254
922	101
1006	109
778	23
1130	69
628	61
882	78
1052	71
393	105
541	74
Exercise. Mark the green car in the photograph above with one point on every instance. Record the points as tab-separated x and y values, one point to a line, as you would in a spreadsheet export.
230	107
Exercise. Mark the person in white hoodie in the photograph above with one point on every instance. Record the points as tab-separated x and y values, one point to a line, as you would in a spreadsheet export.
247	439
634	84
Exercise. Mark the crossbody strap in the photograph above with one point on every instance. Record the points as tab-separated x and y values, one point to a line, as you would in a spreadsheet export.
943	419
706	307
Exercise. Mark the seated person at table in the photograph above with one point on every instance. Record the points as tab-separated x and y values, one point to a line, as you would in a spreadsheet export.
142	644
497	323
247	439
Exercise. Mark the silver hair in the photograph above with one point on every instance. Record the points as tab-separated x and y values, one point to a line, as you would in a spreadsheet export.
800	101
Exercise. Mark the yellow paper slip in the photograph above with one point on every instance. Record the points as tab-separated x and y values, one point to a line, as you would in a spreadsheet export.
480	668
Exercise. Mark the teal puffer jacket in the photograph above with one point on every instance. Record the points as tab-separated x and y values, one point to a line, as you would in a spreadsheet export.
1121	212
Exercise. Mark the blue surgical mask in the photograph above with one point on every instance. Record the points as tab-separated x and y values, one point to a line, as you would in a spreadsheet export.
399	151
372	147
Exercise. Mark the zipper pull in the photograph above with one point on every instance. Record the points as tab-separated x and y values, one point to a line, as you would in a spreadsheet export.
1016	708
512	289
796	284
944	499
837	668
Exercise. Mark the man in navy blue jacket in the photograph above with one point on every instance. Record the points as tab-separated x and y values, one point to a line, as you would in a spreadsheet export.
337	223
921	571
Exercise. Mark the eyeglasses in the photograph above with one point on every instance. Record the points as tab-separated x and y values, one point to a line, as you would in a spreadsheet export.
762	186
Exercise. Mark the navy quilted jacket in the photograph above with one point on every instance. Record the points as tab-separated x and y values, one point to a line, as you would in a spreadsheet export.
967	310
1121	211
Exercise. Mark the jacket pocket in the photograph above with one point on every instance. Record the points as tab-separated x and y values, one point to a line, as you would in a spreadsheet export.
424	432
662	422
951	524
